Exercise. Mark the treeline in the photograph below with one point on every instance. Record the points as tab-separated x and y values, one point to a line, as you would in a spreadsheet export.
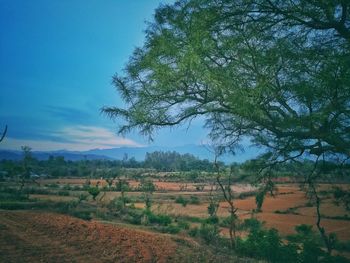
59	167
173	161
164	162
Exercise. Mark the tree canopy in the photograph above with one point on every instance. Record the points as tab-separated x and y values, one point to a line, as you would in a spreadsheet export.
275	71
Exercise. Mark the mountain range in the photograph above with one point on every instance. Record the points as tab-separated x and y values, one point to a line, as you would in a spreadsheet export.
138	153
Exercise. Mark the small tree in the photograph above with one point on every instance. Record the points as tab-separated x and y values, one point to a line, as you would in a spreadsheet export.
147	187
229	197
123	186
94	191
26	166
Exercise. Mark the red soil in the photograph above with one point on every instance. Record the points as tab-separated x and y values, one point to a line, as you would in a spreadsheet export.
47	237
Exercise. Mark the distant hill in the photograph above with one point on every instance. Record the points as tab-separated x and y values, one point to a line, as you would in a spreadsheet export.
138	153
69	156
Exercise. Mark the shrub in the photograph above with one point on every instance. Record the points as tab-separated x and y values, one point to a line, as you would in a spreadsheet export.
94	191
133	216
212	220
259	200
159	219
194	200
85	215
77	188
67	187
82	197
181	200
171	229
53	185
63	193
116	204
183	224
343	246
32	190
193	232
209	233
266	244
251	224
14	205
212	208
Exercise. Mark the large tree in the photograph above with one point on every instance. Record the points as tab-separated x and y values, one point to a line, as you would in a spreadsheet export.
276	71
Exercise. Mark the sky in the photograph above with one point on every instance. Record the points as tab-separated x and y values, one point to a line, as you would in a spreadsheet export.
57	59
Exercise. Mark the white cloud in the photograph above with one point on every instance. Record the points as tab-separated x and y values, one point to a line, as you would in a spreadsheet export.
80	138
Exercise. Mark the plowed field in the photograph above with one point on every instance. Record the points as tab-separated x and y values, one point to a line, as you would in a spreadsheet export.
48	237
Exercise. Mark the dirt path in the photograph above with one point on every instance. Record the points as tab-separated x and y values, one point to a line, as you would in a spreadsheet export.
45	237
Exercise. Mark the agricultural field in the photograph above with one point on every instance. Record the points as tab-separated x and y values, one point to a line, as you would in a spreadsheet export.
288	208
61	218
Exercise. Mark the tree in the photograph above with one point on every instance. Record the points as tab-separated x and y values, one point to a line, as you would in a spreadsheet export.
276	72
94	191
229	198
26	165
147	187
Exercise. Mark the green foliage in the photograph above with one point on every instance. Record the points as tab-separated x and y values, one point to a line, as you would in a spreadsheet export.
122	186
259	200
12	194
147	186
212	208
194	200
251	224
209	233
159	219
181	200
212	220
193	232
63	193
183	224
53	185
36	190
342	197
67	187
94	191
343	246
266	244
173	161
253	79
171	229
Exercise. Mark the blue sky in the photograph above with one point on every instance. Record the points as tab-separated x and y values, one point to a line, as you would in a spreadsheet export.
57	59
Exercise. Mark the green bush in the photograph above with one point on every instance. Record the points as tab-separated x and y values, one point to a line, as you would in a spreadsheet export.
212	220
15	205
181	200
12	194
63	193
54	185
209	233
39	191
194	200
133	216
171	229
183	224
77	188
85	215
159	219
343	246
193	232
67	187
266	245
94	191
251	224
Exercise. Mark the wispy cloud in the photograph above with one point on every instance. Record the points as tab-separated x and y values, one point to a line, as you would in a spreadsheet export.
74	138
68	114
